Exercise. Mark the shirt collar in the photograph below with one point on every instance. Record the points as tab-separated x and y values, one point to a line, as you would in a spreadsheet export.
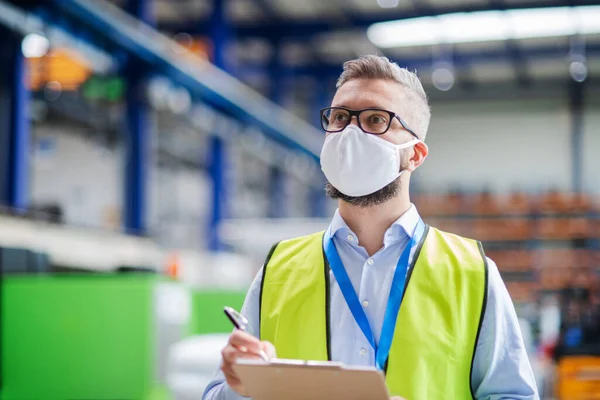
400	229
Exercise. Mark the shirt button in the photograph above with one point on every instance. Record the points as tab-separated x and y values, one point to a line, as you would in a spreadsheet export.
370	261
363	352
365	303
350	238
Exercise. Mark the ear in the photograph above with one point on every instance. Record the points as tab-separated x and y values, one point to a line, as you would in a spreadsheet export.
419	154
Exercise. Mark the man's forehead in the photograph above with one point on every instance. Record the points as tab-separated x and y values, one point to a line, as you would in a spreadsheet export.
369	93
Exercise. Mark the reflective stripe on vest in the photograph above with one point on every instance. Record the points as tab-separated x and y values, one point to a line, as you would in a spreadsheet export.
438	323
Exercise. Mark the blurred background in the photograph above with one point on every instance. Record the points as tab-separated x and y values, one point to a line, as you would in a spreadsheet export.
151	152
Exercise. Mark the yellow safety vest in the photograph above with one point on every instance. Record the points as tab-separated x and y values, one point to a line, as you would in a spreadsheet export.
437	326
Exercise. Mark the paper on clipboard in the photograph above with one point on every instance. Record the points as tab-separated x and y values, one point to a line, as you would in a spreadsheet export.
315	380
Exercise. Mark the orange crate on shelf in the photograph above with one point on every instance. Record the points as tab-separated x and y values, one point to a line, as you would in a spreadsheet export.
581	277
562	258
580	228
595	228
565	228
594	259
502	229
463	227
519	203
522	292
553	203
554	278
552	228
457	226
511	260
580	203
426	204
585	258
484	204
522	260
452	204
438	205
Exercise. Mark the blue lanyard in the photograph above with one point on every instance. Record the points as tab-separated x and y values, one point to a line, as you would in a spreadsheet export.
395	298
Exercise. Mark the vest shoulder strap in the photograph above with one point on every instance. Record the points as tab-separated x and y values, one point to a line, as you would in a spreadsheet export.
440	318
294	288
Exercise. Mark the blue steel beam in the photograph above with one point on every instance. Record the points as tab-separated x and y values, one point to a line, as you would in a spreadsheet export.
14	125
110	30
322	94
217	149
216	171
137	155
287	27
317	200
220	34
277	198
142	10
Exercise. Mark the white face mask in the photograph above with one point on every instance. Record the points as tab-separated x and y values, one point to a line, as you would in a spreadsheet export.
358	163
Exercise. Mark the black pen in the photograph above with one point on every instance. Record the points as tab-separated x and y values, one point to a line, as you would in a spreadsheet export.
241	323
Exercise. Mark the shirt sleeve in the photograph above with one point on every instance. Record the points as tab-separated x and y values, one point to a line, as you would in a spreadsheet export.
501	367
218	389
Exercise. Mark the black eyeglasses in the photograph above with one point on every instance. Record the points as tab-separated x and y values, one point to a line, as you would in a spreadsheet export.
371	120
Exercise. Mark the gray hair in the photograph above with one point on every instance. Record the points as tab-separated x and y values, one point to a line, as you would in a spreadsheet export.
377	67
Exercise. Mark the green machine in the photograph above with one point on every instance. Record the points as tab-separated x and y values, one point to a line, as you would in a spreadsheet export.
98	336
207	306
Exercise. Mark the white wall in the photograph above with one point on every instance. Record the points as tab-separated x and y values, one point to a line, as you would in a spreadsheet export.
591	152
179	206
500	145
85	178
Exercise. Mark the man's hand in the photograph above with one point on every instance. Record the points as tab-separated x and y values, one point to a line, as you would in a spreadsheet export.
242	345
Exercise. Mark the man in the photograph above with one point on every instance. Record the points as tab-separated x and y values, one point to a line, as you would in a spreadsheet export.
379	287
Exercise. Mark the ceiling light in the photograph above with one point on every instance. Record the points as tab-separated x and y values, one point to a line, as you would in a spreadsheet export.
484	26
578	71
443	78
35	45
387	3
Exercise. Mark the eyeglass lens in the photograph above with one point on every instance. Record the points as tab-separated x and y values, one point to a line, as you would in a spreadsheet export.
372	121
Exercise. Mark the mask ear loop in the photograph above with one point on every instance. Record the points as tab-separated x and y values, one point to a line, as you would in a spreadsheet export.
404	146
407	144
393	145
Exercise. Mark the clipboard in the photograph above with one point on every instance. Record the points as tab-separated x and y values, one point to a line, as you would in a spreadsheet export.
300	380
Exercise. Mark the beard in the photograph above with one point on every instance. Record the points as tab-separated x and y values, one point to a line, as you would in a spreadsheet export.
384	194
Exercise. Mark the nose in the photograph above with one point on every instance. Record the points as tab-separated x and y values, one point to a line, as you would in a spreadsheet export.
354	121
